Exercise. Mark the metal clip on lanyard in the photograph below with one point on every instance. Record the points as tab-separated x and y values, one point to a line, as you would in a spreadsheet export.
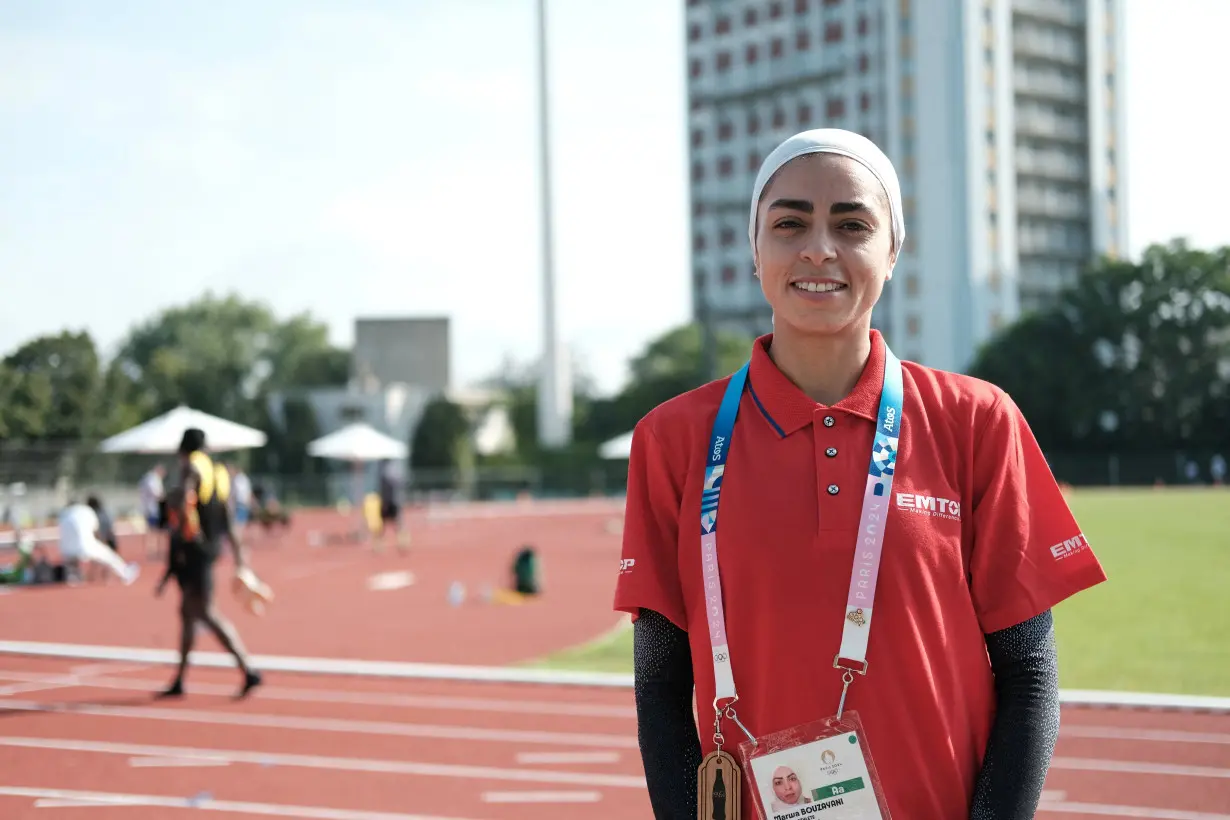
868	548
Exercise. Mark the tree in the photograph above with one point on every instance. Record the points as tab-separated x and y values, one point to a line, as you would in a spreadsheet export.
1133	356
671	364
53	388
441	438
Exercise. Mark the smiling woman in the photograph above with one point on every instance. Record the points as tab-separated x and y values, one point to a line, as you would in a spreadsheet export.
850	483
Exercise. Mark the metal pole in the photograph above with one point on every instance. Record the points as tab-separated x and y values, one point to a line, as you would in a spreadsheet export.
554	426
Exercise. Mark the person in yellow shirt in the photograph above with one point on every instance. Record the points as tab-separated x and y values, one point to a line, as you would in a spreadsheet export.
198	519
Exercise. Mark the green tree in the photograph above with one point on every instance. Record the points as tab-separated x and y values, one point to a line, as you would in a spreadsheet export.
441	439
1132	357
670	365
53	387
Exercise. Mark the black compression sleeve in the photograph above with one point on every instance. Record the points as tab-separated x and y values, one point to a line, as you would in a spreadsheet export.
666	730
1026	724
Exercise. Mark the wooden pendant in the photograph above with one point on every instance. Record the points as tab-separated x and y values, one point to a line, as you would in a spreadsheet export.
719	785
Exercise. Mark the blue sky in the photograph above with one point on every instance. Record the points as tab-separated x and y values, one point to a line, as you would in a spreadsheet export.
379	157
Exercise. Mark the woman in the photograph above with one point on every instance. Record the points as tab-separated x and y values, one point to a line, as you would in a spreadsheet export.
957	688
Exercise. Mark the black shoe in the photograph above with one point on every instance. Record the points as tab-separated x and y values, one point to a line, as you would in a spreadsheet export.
250	681
175	690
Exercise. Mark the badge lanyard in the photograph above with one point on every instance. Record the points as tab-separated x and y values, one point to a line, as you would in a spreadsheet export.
852	656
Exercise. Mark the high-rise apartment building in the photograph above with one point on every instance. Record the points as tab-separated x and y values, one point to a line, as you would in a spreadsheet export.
1004	119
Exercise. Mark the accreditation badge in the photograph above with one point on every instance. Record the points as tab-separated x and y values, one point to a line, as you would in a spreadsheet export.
818	771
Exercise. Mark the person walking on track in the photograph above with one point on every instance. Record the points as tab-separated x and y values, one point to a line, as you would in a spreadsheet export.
198	520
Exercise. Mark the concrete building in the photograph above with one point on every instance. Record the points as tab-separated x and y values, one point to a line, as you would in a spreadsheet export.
1004	119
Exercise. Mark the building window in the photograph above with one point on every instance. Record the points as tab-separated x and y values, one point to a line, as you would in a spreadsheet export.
728	274
862	25
749	17
723	61
864	101
775	10
775	48
832	32
912	325
698	138
779	118
698	242
698	276
723	25
835	108
864	63
800	6
728	237
911	284
802	41
698	171
725	129
753	123
804	114
752	54
698	208
725	166
694	68
694	32
753	162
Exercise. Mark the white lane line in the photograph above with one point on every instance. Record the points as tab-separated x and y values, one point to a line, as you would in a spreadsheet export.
1087	764
509	706
567	757
60	680
542	797
82	798
330	666
308	724
1147	735
337	764
1135	812
173	762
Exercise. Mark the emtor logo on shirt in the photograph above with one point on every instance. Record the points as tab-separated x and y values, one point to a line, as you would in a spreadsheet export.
626	565
929	505
1070	546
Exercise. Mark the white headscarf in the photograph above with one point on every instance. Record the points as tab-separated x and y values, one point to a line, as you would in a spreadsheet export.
833	141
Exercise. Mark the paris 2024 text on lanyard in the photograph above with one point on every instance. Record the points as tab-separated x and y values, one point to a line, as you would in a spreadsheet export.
820	769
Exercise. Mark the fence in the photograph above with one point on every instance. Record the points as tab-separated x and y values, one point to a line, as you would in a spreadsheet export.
39	477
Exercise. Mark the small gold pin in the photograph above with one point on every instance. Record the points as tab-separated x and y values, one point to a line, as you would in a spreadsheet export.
856	617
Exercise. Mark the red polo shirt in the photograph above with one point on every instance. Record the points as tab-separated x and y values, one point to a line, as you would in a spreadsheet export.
978	538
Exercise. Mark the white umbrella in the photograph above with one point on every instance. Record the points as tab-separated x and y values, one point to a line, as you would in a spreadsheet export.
162	435
357	442
618	447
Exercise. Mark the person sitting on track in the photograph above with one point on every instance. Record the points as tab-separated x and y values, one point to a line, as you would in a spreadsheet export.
81	544
198	520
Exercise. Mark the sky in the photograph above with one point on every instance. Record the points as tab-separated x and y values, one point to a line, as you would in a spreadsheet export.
380	158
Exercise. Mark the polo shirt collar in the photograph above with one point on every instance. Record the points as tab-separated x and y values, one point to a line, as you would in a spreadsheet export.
788	409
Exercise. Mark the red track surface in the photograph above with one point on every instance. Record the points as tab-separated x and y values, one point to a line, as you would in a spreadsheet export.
336	747
323	607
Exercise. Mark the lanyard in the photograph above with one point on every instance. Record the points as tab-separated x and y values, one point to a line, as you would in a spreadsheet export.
869	546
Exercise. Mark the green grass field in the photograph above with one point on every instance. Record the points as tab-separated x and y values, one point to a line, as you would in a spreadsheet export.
1161	623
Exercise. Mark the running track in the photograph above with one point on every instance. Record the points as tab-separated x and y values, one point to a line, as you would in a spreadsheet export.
86	739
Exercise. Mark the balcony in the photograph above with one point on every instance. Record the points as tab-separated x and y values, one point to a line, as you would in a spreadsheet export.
1063	12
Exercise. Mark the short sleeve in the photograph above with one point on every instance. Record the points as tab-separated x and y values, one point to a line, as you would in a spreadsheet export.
648	565
1029	553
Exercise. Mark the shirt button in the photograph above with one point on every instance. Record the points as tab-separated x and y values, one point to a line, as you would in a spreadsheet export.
829	421
830	452
833	488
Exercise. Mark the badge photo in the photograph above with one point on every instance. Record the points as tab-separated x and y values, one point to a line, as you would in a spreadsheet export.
820	770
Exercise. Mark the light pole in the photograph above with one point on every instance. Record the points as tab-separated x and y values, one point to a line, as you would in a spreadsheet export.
554	388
